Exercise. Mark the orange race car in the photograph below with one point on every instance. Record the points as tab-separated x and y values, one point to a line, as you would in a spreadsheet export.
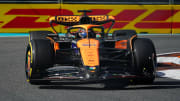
87	54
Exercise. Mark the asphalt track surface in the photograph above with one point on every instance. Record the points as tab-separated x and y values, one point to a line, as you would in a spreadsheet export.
13	86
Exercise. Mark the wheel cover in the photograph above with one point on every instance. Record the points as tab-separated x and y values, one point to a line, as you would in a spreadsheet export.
28	65
150	71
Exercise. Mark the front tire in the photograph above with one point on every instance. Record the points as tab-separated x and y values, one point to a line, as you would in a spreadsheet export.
145	60
39	57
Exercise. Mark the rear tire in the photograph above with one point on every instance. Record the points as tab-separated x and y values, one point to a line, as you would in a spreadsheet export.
39	34
39	57
123	34
145	60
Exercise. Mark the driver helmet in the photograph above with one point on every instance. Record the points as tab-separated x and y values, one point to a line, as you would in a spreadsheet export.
82	33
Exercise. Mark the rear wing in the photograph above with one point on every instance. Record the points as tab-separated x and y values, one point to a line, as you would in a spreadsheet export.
77	20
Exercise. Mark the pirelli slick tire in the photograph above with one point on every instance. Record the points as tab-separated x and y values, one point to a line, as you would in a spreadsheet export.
39	57
145	60
39	34
126	34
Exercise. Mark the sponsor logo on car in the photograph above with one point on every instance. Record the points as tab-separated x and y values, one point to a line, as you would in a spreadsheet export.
89	44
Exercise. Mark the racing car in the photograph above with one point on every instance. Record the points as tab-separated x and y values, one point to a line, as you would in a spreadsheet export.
88	54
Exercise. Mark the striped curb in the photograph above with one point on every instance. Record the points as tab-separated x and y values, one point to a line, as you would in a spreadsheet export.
169	65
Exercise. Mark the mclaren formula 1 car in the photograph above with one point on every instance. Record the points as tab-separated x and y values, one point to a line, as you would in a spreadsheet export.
87	54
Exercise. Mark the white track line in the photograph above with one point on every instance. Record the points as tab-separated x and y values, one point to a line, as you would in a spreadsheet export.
171	59
174	60
173	74
167	53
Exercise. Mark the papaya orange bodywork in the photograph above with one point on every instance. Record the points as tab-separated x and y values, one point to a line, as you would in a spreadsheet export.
121	44
134	36
56	45
89	49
